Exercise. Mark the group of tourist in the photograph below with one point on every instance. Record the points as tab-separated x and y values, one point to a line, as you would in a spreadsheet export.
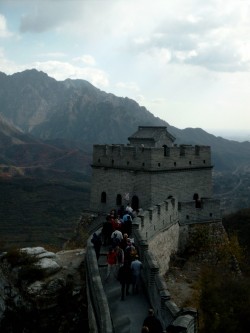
122	258
117	223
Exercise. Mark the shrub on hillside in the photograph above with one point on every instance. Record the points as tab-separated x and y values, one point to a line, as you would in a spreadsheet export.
224	302
199	240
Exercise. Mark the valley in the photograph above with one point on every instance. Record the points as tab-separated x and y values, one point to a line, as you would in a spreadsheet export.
34	211
233	189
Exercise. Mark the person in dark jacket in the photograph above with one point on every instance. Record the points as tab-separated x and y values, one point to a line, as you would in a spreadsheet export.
107	230
125	278
97	242
127	224
153	323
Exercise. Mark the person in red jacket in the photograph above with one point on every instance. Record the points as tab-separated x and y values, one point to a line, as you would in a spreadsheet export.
112	262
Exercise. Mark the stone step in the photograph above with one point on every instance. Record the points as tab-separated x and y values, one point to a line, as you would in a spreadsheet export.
102	265
114	293
122	324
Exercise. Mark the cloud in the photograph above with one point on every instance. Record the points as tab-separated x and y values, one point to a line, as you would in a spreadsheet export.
58	70
86	59
7	66
53	55
4	33
46	15
133	86
63	70
140	99
158	101
222	57
213	36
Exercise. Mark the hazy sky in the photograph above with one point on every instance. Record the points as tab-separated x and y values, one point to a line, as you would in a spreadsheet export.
186	61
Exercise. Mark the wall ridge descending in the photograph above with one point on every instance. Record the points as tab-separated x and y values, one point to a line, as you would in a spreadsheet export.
155	285
151	230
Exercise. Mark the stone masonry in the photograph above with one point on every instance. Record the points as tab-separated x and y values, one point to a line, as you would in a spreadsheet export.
148	170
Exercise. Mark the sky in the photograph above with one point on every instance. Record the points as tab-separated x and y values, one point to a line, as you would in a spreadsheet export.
186	61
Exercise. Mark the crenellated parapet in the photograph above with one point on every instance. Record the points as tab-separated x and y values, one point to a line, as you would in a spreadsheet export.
156	234
162	216
163	227
158	218
201	211
151	159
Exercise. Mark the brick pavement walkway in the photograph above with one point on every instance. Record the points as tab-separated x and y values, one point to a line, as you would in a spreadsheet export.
127	315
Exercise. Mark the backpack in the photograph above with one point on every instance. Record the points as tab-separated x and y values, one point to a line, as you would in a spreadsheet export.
115	239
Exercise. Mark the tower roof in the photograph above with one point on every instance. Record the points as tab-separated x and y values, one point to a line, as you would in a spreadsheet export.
151	133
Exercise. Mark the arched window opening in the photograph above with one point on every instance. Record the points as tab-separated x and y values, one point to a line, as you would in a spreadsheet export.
165	150
135	202
195	196
197	200
103	197
118	200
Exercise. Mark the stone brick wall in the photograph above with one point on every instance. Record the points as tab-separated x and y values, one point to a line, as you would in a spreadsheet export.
182	184
156	234
149	158
209	211
151	174
163	245
157	219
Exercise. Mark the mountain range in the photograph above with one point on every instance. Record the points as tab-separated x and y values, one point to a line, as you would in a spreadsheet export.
48	128
75	114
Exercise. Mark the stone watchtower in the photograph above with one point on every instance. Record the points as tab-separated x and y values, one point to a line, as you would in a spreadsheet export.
148	170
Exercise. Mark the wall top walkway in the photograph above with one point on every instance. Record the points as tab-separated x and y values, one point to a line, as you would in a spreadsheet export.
127	315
